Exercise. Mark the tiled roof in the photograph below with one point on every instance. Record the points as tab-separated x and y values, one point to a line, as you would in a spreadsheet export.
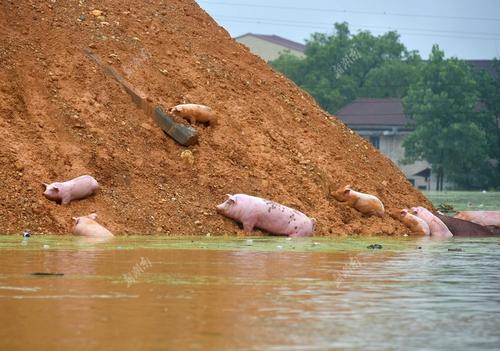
368	111
293	45
486	65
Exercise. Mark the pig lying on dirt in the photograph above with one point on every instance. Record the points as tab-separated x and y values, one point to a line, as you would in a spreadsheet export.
416	224
195	113
74	189
436	226
459	227
480	217
277	219
87	226
365	203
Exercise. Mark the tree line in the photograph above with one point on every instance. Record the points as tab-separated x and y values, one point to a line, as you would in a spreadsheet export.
453	109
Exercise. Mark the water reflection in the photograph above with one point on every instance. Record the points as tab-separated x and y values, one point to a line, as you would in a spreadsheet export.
423	297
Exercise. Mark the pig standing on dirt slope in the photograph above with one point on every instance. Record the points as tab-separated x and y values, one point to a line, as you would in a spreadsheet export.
365	203
416	224
87	226
74	189
254	211
488	218
437	227
195	113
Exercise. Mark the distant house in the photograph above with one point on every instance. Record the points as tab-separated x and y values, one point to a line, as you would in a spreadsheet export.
270	47
384	124
483	65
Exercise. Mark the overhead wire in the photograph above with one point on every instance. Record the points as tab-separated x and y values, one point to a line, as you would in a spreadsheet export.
384	13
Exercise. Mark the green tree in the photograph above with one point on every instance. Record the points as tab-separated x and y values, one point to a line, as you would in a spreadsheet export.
391	79
489	90
338	66
449	129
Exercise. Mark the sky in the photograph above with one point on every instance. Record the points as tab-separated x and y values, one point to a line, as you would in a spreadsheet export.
463	28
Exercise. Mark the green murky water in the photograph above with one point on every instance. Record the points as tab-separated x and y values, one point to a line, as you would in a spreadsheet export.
466	200
265	293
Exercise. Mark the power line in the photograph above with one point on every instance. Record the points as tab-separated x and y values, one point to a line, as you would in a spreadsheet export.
291	24
395	14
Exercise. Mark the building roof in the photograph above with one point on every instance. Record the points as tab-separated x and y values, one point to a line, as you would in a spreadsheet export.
368	111
289	44
486	65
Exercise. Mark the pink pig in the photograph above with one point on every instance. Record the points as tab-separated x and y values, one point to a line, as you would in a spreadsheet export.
74	189
87	226
365	203
417	225
436	226
481	217
254	211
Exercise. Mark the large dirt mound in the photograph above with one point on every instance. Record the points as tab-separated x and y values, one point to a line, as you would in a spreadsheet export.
61	117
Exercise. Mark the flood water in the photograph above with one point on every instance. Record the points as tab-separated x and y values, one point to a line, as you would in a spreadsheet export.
155	293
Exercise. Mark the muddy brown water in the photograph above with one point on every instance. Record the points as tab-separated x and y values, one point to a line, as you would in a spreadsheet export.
249	294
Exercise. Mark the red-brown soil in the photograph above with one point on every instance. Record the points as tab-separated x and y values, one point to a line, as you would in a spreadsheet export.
61	116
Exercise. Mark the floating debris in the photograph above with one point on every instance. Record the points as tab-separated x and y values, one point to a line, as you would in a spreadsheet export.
455	250
445	208
374	247
47	274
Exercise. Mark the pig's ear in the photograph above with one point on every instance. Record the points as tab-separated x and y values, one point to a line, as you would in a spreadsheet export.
44	185
55	188
93	216
404	212
231	198
346	191
75	219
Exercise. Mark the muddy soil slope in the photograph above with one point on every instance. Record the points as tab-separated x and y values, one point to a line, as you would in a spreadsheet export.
61	116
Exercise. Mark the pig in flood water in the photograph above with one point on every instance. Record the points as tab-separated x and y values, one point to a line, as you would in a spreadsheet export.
437	227
416	224
277	219
459	227
489	218
87	226
74	189
365	203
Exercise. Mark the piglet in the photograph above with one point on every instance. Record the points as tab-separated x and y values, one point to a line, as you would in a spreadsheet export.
87	226
195	113
365	203
74	189
277	219
436	226
416	224
488	218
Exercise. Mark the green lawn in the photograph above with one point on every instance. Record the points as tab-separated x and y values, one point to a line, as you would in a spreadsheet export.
466	200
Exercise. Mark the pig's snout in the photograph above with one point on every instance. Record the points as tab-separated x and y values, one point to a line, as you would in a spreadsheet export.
220	208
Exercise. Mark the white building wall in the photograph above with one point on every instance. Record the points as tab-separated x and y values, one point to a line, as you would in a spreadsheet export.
266	50
390	144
